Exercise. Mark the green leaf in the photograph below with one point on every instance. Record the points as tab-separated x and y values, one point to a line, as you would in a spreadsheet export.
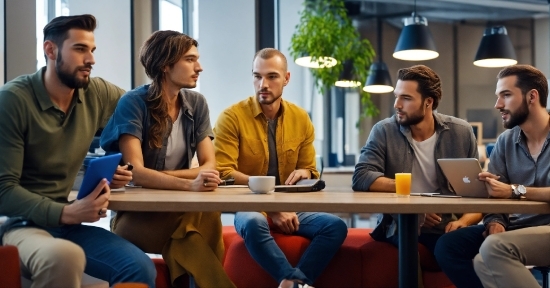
326	30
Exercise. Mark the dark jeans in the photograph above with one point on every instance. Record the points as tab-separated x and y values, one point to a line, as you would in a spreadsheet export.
108	256
454	253
326	232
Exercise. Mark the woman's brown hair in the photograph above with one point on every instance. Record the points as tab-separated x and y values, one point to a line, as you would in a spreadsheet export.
163	49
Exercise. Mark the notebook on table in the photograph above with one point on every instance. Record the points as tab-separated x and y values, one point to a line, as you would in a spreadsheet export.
463	173
305	185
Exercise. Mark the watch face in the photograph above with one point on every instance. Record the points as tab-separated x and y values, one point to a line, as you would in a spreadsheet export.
521	189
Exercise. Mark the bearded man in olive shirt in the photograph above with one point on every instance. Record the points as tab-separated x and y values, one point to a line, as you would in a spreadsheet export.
48	121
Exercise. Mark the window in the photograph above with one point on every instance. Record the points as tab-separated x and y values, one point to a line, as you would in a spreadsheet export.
45	11
171	17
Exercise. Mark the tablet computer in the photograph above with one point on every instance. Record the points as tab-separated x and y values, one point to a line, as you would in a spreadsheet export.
98	168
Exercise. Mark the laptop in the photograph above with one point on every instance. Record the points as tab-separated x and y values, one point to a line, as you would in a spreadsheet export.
462	173
304	185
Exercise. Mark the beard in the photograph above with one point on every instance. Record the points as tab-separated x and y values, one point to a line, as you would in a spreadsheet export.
412	118
267	101
69	78
517	117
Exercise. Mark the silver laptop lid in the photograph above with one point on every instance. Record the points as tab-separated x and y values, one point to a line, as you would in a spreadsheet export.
463	173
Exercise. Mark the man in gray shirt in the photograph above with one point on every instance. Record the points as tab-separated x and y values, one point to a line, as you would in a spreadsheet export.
519	169
412	141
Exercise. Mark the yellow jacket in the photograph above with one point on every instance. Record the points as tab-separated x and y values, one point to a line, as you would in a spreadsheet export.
241	140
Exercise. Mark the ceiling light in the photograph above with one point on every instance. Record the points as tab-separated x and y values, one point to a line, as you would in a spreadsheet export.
379	80
495	49
320	62
415	42
346	78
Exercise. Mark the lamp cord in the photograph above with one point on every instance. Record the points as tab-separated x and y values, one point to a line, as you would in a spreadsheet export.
379	37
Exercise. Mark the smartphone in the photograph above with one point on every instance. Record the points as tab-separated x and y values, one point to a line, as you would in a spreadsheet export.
229	181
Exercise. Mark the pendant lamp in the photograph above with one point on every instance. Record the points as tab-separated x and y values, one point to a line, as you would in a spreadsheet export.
495	49
379	80
320	62
346	78
415	42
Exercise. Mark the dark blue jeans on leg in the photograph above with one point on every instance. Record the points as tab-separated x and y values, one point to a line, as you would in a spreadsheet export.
454	253
108	256
326	232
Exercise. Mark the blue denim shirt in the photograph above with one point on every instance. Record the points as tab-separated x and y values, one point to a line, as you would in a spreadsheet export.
132	117
389	150
512	161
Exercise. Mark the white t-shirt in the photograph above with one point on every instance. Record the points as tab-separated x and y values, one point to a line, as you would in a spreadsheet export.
176	145
424	179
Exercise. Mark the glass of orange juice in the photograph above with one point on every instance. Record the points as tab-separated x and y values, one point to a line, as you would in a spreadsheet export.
403	184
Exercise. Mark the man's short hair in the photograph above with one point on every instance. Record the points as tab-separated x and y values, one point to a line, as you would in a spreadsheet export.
267	53
57	30
429	84
528	77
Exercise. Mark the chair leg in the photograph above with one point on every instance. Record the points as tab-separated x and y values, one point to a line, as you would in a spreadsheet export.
544	271
545	278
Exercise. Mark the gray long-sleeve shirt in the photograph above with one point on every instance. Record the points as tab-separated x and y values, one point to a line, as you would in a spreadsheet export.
511	160
389	150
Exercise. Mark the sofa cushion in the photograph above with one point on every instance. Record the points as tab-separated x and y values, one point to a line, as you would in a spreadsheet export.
382	259
343	271
9	267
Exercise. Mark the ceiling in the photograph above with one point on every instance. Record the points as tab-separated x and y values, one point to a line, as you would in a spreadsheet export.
449	10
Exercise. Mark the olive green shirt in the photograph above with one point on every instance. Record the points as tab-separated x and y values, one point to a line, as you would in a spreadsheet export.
42	147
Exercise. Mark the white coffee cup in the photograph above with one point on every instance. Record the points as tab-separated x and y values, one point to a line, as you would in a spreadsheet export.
261	184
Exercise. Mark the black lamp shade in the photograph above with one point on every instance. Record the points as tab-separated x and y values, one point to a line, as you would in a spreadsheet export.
495	49
347	78
415	42
379	80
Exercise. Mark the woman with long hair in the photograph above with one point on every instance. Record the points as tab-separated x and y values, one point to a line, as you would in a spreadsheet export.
159	128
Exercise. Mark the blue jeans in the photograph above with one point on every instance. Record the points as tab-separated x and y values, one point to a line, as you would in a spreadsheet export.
108	256
326	232
454	253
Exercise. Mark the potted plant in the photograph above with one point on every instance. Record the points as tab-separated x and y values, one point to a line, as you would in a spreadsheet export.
326	30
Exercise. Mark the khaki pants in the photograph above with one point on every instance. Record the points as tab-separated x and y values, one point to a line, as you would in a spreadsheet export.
47	261
502	257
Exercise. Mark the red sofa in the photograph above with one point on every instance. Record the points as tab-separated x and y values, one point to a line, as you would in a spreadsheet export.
360	262
9	267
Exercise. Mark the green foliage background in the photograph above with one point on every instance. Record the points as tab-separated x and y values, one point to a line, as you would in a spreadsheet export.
326	30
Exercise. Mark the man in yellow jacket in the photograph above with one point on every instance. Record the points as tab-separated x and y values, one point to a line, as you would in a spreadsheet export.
265	135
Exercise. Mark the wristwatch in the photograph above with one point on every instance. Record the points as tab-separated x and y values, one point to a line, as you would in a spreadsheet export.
518	191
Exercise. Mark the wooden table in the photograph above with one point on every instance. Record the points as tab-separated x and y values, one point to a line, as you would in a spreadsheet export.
332	199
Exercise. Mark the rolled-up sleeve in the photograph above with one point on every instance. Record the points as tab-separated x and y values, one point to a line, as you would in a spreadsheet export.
204	128
306	155
128	118
226	143
371	162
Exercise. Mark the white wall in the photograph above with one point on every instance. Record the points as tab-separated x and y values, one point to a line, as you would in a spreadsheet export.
542	45
294	92
20	38
2	43
112	38
226	47
143	30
